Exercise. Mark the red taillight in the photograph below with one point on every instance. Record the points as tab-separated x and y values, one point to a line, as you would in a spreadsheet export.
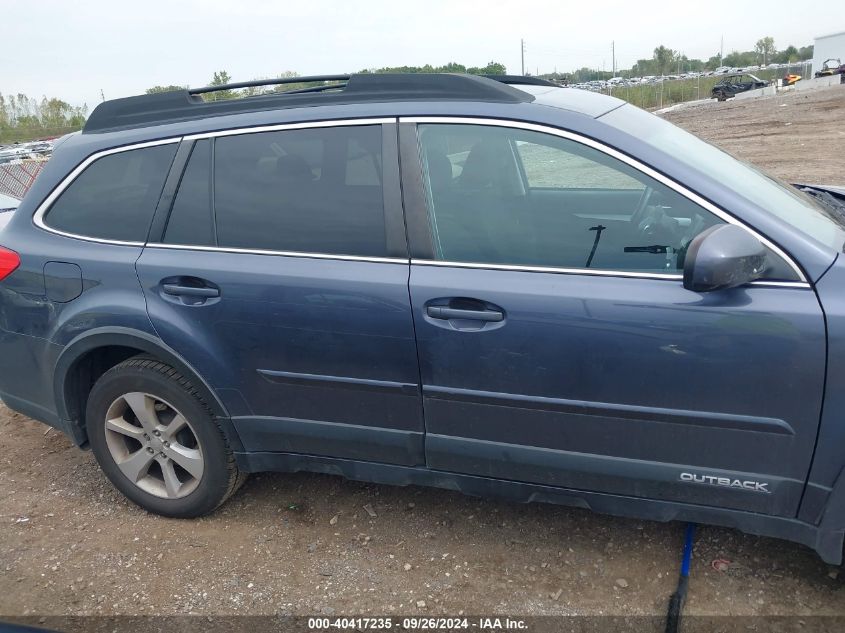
9	261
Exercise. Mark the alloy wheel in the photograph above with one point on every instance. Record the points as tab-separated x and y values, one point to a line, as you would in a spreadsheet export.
154	445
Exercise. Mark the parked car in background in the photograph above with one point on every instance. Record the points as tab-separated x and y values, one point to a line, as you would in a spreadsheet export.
496	286
791	79
733	84
8	203
41	148
14	152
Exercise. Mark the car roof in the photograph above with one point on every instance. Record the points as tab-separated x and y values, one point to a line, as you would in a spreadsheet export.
592	104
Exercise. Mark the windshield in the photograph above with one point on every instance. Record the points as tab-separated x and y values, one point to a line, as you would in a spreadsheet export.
781	200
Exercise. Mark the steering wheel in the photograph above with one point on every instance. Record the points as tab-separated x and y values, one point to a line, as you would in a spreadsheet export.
639	213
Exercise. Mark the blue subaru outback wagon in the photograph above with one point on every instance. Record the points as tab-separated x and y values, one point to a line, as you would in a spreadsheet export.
494	285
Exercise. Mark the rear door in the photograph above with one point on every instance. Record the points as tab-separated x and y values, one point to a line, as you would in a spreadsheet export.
558	345
281	275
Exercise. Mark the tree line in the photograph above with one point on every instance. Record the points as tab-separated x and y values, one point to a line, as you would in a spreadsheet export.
24	118
222	77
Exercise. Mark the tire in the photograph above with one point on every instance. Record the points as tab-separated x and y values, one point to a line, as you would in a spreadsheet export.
172	459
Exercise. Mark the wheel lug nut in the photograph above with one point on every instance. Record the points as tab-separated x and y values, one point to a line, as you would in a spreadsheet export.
150	450
156	433
166	444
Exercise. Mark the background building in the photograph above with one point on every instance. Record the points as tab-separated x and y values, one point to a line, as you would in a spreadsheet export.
827	47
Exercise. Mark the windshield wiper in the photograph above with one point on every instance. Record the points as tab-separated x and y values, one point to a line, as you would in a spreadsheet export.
827	199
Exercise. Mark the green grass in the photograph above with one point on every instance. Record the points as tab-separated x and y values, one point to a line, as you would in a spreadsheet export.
24	134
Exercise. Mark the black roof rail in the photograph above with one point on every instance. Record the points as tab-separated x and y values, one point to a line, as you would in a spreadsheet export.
185	105
516	80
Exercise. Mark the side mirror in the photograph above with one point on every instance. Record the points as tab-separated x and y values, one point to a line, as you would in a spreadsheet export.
723	256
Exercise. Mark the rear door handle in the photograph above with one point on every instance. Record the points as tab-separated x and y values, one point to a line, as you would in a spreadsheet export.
190	291
441	312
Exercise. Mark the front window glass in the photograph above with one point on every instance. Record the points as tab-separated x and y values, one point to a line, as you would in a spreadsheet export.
781	200
502	195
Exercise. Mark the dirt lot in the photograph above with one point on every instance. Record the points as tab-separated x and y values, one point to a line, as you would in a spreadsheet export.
304	544
797	136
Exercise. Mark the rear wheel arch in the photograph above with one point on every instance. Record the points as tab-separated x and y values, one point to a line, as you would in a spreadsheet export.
93	353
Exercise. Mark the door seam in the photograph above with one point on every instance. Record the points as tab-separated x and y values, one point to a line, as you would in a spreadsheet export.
411	302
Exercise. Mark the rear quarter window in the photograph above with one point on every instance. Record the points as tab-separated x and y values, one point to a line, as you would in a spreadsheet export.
115	197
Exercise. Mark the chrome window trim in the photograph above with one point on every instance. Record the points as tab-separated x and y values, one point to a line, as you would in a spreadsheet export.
281	127
641	167
590	272
782	284
44	207
41	211
549	269
299	254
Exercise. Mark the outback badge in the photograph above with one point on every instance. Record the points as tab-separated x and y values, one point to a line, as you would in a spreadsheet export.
727	482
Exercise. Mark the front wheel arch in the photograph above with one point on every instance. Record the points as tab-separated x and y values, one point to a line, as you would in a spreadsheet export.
118	344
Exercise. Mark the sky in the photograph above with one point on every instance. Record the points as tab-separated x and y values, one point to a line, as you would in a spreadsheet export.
82	50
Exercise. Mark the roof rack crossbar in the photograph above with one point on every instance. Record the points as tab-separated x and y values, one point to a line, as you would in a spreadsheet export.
299	91
269	82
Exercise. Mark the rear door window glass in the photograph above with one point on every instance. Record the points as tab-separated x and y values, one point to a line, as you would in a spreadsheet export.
315	190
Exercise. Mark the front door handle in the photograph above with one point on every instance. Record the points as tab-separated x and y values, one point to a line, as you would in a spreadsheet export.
442	312
190	291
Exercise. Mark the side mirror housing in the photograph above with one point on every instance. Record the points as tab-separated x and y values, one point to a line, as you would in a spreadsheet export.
723	256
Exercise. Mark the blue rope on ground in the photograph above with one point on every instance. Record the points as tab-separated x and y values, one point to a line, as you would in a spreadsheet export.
676	602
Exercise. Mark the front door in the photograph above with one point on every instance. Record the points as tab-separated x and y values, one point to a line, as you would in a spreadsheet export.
282	277
558	345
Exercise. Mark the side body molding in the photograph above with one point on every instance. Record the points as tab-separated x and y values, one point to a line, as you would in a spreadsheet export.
128	337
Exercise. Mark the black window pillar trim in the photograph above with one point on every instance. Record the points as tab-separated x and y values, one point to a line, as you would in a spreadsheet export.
212	188
394	221
420	239
168	192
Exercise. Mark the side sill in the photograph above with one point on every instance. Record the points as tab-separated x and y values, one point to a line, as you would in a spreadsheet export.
31	410
827	543
335	439
40	414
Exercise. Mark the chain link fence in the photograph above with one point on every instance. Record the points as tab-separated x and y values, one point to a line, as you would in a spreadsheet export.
16	178
661	94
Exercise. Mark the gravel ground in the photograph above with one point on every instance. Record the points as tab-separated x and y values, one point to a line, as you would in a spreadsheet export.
797	136
305	544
